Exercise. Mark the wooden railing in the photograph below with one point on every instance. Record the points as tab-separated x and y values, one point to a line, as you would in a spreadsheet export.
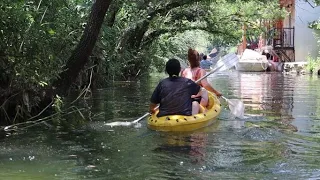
283	38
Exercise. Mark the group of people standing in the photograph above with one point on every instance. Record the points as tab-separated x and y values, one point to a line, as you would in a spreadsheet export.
179	94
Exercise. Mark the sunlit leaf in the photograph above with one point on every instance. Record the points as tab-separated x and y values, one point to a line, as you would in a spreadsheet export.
51	32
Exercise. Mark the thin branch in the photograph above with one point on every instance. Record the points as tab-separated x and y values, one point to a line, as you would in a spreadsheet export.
7	128
41	111
17	112
7	116
39	5
2	105
90	80
170	6
43	15
84	91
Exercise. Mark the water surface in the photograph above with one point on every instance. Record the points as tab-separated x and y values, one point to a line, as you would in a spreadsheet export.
279	139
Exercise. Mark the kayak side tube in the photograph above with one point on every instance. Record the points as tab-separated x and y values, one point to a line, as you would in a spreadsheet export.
187	123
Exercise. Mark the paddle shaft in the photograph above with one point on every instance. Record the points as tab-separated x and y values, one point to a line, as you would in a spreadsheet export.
224	98
227	100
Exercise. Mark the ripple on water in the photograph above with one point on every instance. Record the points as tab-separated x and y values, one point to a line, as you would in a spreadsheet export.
262	146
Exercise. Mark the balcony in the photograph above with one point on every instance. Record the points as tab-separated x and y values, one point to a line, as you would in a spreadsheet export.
283	38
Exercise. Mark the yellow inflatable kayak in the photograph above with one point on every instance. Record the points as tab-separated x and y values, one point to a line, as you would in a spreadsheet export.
187	123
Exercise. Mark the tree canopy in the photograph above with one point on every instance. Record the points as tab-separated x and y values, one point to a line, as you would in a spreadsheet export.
40	39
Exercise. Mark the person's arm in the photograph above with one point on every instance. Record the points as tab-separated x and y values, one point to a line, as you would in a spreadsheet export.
197	93
155	99
152	108
207	86
195	89
181	72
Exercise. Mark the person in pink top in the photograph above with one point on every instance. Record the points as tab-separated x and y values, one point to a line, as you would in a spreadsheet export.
194	72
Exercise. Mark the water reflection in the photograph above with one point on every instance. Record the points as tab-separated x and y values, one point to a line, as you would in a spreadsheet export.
278	140
192	144
268	95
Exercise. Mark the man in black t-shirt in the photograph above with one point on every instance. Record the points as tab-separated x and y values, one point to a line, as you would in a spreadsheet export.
174	93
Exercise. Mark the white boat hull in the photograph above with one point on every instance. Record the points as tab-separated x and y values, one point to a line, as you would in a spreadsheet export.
252	66
252	61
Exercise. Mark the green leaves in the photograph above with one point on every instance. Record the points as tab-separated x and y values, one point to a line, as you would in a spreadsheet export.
317	2
51	32
315	25
37	38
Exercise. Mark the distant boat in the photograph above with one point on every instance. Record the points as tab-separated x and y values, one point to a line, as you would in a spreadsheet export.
252	61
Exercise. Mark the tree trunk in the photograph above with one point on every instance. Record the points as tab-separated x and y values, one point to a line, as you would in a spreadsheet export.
80	55
112	12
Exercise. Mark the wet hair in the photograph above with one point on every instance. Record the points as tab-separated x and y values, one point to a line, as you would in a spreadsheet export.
193	58
205	57
173	67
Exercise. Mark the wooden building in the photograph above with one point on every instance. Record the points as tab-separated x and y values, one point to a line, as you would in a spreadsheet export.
284	33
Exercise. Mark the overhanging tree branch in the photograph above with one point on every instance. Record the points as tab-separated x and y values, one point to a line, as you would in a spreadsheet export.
80	55
173	31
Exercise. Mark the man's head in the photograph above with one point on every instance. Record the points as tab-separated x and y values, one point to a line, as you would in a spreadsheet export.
173	67
205	57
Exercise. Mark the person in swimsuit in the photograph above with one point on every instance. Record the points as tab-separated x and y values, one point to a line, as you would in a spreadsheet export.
194	72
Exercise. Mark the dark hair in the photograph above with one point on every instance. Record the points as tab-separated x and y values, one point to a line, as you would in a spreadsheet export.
193	58
204	57
173	67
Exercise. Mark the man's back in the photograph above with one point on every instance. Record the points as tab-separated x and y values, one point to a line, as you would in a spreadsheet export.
205	64
174	96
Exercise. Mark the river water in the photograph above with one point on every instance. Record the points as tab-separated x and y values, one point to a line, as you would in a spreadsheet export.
278	139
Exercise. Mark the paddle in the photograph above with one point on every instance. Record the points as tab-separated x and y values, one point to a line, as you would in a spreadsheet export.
220	65
236	107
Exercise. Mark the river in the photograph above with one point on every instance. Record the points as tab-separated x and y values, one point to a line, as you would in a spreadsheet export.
278	139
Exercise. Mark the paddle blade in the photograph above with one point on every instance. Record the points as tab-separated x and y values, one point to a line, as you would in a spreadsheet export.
125	123
236	107
119	123
226	62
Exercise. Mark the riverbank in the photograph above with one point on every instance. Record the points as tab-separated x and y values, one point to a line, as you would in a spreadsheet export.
295	67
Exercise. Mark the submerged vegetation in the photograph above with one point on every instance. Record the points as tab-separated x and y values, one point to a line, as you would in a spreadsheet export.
50	47
313	64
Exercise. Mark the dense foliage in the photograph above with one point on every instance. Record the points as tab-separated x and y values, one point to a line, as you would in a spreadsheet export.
314	63
137	36
38	36
317	2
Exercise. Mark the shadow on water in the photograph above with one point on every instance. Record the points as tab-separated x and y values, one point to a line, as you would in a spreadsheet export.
279	139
